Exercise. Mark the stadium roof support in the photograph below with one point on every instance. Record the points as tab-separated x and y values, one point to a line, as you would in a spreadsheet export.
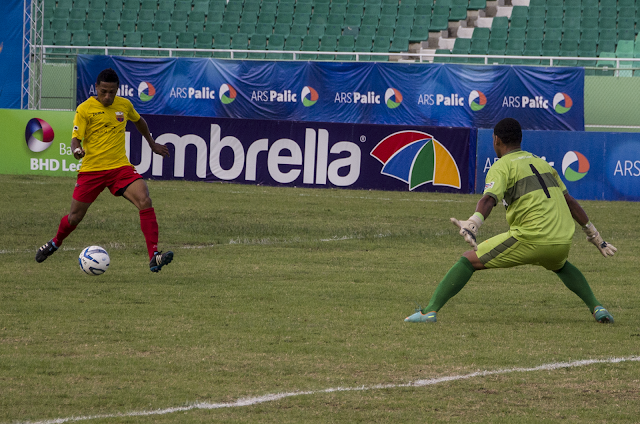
32	39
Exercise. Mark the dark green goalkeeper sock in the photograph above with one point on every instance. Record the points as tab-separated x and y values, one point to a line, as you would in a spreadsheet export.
575	281
451	284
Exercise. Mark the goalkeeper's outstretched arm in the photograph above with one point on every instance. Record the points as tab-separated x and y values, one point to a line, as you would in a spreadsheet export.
469	228
593	236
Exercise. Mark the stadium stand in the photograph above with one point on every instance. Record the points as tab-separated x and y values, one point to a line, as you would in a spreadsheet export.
557	28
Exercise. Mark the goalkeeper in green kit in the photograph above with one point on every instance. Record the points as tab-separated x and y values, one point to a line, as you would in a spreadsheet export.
540	213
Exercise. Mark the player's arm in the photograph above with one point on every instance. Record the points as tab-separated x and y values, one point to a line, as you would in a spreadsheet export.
143	128
80	123
593	236
76	148
469	228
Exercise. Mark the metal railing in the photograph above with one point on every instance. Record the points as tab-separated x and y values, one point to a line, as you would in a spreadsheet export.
400	56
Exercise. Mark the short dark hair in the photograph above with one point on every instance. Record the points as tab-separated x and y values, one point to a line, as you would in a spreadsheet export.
108	75
509	131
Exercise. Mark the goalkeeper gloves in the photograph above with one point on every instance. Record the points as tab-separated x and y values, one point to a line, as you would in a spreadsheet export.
593	236
469	228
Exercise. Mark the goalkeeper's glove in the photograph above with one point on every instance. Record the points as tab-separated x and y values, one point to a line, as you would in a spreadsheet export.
469	228
593	236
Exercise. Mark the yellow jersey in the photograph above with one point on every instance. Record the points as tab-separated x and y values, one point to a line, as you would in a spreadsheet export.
101	130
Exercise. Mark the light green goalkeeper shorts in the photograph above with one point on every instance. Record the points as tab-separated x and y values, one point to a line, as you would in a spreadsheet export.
504	251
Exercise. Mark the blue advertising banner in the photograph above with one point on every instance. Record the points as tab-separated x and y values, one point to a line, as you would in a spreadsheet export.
11	53
352	92
307	154
593	165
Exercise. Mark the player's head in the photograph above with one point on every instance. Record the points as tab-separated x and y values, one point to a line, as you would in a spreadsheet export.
508	131
107	86
507	136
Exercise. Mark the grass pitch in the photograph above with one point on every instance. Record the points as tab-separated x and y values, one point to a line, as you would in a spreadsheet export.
278	290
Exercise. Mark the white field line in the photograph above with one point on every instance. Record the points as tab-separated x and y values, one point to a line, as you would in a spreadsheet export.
278	396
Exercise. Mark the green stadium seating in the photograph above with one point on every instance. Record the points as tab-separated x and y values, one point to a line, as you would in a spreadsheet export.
150	39
247	28
168	40
354	31
298	29
59	25
385	31
257	42
129	15
461	47
146	15
439	23
276	42
364	43
144	26
144	5
222	41
78	14
239	42
477	4
316	29
367	31
370	20
419	33
186	40
402	31
399	45
606	64
293	42
162	26
514	33
442	59
229	28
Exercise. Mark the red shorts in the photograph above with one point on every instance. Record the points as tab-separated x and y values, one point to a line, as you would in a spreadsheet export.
90	184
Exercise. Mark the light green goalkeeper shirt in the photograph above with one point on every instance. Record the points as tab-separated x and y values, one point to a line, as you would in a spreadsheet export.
533	194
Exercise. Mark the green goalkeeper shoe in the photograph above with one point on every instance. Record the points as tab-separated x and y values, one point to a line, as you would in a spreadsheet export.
602	315
420	317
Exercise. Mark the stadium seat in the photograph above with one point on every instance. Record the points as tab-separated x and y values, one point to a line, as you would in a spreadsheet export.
203	41
385	31
276	42
310	43
257	42
419	33
182	5
168	40
442	59
239	42
98	37
346	43
222	41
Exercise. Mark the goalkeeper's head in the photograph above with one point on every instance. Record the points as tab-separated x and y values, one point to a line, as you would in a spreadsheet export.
509	132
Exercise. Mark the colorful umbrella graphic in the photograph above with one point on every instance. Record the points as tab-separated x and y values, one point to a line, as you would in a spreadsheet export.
417	158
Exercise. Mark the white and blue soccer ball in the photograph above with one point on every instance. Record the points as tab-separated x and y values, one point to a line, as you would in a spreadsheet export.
94	260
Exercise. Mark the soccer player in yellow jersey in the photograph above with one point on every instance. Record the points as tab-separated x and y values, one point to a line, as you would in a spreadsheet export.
540	213
99	140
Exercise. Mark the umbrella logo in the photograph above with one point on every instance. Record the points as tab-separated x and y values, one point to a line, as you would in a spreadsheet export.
558	101
38	135
417	158
309	96
477	100
392	98
146	91
571	170
227	94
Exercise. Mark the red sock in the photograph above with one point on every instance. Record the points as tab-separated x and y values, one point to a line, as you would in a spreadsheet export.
63	230
149	226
